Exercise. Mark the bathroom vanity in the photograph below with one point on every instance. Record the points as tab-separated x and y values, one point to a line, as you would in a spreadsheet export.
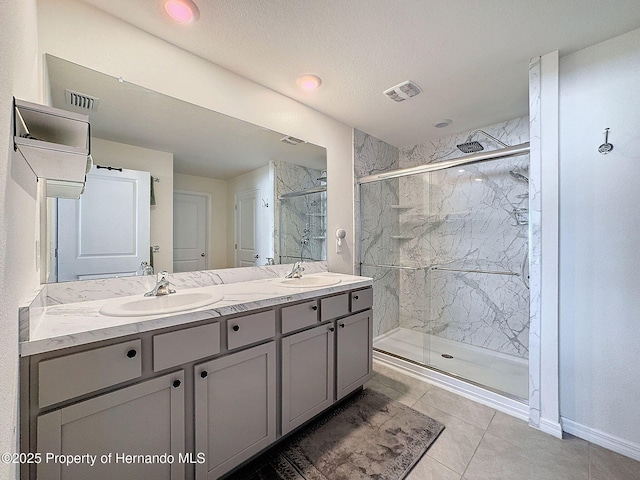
195	394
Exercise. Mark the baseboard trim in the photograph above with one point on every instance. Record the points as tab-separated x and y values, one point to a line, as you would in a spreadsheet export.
605	440
550	427
486	397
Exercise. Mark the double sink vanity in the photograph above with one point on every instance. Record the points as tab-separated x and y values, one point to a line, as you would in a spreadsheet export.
191	384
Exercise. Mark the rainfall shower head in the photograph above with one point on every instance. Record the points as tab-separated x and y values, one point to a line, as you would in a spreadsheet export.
518	176
475	146
470	147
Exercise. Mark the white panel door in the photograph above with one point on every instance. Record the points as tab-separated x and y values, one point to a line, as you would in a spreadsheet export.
190	225
246	229
105	233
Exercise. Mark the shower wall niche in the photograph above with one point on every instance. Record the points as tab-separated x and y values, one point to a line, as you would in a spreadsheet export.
448	254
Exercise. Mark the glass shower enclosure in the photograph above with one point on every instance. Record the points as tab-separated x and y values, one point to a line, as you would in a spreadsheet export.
302	225
447	250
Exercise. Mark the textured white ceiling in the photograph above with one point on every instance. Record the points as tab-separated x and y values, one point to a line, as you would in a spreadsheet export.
469	56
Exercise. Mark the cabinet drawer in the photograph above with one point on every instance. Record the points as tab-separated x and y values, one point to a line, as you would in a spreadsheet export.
249	329
334	307
361	299
175	348
79	373
299	316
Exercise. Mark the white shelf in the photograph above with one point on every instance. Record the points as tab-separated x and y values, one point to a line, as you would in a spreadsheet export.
55	143
402	207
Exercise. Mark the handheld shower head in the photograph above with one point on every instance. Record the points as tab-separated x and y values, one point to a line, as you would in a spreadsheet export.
518	176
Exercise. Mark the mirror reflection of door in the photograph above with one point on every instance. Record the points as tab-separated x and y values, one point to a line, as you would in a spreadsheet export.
190	227
106	232
246	219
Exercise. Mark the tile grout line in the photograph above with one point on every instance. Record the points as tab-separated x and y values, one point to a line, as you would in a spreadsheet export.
478	446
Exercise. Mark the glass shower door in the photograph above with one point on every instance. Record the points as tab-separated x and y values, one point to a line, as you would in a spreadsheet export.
447	251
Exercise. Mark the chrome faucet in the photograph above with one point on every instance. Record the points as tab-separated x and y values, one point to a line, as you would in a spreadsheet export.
296	271
162	286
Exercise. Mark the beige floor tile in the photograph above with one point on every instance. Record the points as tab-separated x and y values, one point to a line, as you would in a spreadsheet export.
520	433
405	384
500	459
403	397
429	468
607	465
460	407
457	443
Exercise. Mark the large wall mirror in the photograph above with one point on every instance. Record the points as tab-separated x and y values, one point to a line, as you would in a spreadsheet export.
178	186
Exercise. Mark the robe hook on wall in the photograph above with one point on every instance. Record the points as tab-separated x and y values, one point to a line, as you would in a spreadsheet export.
606	147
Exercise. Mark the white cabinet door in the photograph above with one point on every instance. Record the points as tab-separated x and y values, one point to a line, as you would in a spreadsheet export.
307	375
143	419
354	352
235	408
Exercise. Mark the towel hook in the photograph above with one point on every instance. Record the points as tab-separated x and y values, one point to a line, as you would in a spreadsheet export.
606	147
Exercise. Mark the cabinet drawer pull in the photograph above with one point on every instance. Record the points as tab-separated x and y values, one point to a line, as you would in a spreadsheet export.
355	297
236	328
342	325
331	329
314	308
131	353
204	374
176	383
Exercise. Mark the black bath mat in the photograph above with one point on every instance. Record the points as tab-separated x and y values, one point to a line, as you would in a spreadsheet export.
367	436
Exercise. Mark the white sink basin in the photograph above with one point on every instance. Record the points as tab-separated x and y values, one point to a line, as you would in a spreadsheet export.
309	282
175	302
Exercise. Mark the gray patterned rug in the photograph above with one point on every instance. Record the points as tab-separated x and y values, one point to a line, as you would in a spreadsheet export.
367	436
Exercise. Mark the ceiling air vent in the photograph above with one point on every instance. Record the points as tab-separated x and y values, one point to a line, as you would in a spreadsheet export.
292	140
403	91
81	100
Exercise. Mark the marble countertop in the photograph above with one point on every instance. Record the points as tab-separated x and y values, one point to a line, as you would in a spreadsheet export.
59	326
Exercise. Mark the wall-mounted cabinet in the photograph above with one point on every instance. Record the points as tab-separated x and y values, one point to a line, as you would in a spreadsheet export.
56	145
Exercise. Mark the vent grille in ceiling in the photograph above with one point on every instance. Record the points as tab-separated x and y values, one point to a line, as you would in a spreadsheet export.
403	91
81	100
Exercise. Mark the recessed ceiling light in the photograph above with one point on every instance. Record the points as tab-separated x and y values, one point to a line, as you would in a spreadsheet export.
443	123
182	11
308	82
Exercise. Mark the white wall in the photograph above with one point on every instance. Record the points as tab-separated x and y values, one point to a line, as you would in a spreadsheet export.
217	190
259	180
18	274
160	165
82	34
599	247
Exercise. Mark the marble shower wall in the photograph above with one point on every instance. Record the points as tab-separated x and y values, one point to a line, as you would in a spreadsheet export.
300	222
374	201
467	218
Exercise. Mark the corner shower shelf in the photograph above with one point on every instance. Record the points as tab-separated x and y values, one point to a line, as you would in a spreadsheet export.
402	207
